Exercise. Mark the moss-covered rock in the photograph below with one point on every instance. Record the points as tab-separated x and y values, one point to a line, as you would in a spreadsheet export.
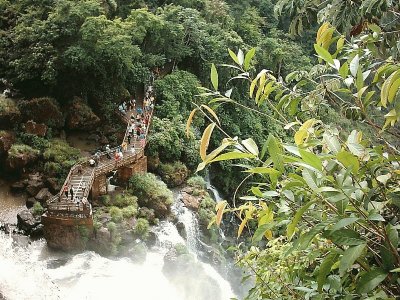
173	174
42	110
20	156
9	112
152	193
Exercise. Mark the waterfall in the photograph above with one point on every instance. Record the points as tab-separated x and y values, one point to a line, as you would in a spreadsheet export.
33	271
214	192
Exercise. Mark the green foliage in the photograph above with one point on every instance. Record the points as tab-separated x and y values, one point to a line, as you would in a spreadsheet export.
129	211
148	189
181	249
34	141
7	105
116	214
173	174
141	229
37	209
18	150
123	200
325	197
105	200
197	182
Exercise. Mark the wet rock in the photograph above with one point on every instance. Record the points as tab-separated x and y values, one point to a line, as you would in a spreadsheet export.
34	186
42	110
181	229
190	201
19	186
43	195
26	221
32	127
30	202
147	214
151	239
80	116
9	112
7	138
37	232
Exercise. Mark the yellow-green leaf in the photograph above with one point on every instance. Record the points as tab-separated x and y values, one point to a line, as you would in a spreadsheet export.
251	146
248	57
232	155
205	139
324	54
211	112
263	170
300	136
189	121
394	88
233	55
348	160
220	207
214	77
311	159
241	227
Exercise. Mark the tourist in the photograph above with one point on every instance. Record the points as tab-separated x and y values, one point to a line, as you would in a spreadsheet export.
129	138
92	162
66	191
124	146
71	191
97	158
108	151
79	169
83	188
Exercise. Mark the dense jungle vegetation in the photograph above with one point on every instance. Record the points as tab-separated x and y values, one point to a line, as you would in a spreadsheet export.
301	98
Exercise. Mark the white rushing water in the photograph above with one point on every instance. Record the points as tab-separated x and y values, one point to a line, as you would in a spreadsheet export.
32	271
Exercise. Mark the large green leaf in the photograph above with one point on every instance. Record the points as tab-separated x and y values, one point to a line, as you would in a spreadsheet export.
232	155
344	222
349	257
258	235
370	280
346	237
311	159
292	225
248	57
325	269
324	54
348	160
250	146
275	151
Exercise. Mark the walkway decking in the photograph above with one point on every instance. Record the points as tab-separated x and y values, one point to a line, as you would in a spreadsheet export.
82	175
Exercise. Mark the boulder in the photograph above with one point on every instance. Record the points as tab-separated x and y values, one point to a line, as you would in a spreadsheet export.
37	232
147	214
7	138
34	186
32	127
30	202
181	229
80	116
19	186
26	221
43	195
9	112
42	110
190	201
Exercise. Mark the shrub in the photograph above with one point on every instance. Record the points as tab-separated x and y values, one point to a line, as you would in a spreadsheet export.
173	174
112	227
7	105
116	214
148	188
37	209
142	228
129	211
123	200
197	182
105	200
34	141
181	249
17	150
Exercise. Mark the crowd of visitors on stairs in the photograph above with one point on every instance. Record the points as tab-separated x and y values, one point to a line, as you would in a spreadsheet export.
138	123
